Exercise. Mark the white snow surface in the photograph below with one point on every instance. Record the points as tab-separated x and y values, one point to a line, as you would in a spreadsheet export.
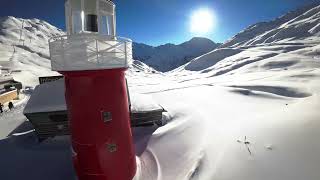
49	97
251	114
143	103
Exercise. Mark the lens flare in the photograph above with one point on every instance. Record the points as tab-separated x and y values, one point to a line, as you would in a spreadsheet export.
202	21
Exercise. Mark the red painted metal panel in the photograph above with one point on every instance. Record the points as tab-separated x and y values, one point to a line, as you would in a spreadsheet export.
97	103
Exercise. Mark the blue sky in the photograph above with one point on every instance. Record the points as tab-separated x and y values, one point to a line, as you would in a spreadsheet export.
158	22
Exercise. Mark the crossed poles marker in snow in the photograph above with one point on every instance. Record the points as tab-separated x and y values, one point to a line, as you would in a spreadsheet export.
246	143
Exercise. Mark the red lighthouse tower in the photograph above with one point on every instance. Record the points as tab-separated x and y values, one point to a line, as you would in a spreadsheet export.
93	61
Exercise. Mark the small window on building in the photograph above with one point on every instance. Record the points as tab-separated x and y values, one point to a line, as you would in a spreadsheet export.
91	17
106	25
91	23
76	22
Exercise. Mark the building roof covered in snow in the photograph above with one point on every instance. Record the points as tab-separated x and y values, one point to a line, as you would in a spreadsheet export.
49	97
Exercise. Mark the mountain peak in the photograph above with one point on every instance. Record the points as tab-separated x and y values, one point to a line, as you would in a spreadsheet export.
170	56
200	39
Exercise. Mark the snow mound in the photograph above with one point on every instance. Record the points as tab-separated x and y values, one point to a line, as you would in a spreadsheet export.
210	59
143	103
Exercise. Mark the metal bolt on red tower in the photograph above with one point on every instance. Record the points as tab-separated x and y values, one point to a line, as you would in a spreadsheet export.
93	61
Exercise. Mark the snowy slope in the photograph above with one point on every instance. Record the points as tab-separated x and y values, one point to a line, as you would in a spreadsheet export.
245	111
24	50
296	30
295	25
169	56
34	32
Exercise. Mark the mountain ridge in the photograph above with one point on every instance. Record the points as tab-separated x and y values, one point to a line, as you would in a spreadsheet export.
271	31
296	32
163	58
169	56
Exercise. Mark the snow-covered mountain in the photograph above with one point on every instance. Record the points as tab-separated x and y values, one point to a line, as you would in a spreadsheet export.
169	56
298	24
296	30
30	34
24	49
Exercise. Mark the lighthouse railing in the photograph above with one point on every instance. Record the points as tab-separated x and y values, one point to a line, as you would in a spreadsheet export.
89	52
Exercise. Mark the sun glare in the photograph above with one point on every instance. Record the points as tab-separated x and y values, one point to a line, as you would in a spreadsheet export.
202	21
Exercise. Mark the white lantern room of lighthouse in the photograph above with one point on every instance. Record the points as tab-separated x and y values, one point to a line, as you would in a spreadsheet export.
90	16
91	42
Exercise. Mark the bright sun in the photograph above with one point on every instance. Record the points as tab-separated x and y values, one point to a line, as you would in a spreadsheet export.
202	21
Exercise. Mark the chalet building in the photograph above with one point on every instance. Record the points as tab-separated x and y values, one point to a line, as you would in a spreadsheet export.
9	89
47	111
